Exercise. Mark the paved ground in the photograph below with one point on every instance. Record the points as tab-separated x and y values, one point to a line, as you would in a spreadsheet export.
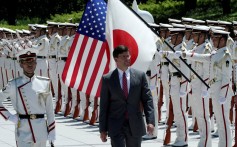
75	133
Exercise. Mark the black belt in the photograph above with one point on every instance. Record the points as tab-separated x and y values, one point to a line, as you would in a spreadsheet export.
165	63
14	58
176	74
31	116
41	57
53	56
62	58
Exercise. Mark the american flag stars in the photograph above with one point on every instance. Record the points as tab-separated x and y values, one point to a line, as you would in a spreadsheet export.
93	22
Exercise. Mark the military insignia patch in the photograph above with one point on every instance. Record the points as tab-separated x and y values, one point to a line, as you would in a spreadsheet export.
227	63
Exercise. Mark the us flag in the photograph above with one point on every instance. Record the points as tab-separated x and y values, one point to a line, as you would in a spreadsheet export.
88	58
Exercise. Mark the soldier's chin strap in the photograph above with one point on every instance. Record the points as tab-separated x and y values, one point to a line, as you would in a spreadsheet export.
176	39
219	42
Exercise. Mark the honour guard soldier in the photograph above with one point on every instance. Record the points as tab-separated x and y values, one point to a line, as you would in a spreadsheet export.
178	86
52	55
164	71
32	100
42	45
220	77
199	89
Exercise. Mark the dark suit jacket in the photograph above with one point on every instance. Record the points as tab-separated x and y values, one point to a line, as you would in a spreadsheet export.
113	104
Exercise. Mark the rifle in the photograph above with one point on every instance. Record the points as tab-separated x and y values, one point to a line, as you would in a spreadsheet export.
195	127
86	115
169	124
2	78
235	100
160	101
69	102
59	102
51	85
210	108
95	112
232	104
77	107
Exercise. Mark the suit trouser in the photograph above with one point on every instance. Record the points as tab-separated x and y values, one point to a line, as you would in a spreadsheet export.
31	144
125	138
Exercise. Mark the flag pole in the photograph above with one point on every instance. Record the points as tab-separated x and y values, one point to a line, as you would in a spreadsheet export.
170	48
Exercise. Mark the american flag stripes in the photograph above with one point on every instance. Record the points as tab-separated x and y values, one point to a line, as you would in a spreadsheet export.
88	58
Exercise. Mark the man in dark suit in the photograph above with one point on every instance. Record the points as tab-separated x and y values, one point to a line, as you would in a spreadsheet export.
122	93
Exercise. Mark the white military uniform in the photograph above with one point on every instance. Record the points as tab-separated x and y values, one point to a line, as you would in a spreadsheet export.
220	70
178	93
52	61
200	95
30	96
164	75
42	45
62	53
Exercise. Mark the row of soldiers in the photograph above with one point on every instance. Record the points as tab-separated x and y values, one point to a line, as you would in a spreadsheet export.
53	41
209	50
195	69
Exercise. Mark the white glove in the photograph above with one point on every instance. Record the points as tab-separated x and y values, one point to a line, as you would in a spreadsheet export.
204	94
182	94
13	118
222	100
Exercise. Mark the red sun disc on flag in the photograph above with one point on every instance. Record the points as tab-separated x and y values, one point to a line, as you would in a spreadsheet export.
122	37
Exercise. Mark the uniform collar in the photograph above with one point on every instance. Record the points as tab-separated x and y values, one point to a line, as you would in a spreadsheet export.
223	49
25	78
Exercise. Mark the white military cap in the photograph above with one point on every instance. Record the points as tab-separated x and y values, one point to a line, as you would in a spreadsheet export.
176	25
219	33
6	30
52	24
200	29
171	20
19	31
164	25
68	25
188	27
234	23
211	22
224	23
186	20
28	53
217	27
154	25
174	31
62	24
40	26
32	26
26	31
197	21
